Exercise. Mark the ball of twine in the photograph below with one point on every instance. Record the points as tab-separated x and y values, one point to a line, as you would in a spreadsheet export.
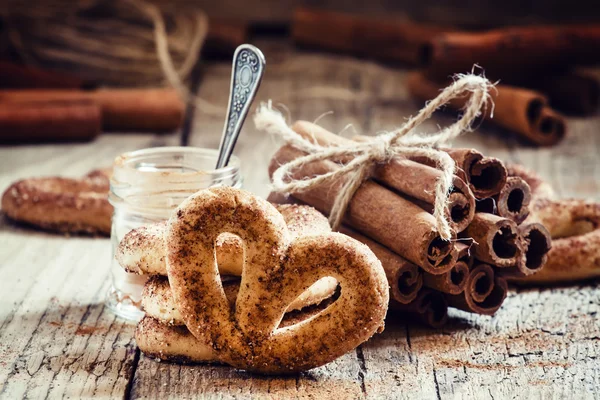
108	42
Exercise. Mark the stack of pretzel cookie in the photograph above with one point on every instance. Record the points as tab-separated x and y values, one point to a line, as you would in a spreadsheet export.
236	280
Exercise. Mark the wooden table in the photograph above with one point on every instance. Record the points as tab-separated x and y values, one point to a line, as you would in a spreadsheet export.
58	339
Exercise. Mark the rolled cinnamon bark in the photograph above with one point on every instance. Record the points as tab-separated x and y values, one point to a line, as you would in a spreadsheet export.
484	293
224	36
154	110
378	213
452	282
381	39
575	229
430	307
486	176
550	127
51	121
496	240
536	242
522	111
407	177
514	51
513	200
572	93
404	277
465	252
14	76
539	187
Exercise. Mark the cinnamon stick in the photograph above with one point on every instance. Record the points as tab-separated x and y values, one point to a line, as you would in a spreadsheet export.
452	282
387	40
430	307
536	242
407	177
154	110
15	76
484	293
404	277
572	93
513	200
522	111
496	240
486	176
224	36
53	121
465	252
550	127
514	51
378	213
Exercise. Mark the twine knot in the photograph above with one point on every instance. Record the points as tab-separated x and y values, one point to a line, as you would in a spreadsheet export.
363	156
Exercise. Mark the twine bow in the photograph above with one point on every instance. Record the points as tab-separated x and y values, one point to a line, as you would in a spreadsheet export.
402	142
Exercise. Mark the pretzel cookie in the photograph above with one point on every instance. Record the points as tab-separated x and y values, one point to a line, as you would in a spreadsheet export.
277	268
575	229
61	204
142	250
158	302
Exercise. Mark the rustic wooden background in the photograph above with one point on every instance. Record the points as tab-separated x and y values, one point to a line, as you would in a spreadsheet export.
58	340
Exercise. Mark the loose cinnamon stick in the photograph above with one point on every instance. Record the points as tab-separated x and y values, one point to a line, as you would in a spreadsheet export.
224	36
486	176
404	277
154	110
430	307
496	240
513	200
381	39
484	293
536	242
53	121
14	76
550	127
572	93
514	51
408	177
522	111
452	282
377	213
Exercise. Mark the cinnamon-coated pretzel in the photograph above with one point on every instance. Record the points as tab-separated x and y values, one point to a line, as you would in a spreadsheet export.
158	302
142	250
62	204
575	229
175	343
277	269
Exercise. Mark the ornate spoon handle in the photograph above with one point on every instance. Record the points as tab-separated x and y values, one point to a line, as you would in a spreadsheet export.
247	71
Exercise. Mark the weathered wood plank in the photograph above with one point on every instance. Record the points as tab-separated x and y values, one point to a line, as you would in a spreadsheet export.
56	337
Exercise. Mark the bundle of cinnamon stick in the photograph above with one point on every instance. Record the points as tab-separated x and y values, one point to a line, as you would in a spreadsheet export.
534	64
392	214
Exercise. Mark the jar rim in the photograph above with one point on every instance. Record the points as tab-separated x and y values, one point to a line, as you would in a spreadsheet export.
129	160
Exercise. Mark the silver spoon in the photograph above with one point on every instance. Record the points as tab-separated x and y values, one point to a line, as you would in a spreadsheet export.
247	71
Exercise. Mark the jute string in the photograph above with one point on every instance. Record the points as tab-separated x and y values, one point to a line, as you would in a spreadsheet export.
402	142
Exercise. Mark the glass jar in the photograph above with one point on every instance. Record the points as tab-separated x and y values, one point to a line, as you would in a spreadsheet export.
146	186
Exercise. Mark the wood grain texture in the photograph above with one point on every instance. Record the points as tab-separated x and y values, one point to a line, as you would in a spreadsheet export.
56	337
